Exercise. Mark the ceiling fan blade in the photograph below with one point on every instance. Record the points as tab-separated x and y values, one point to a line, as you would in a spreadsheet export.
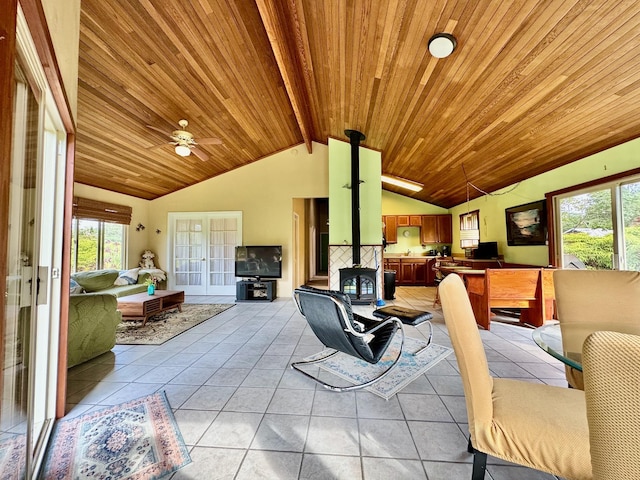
209	141
200	154
164	132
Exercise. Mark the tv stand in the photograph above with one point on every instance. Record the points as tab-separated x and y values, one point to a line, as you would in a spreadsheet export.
248	290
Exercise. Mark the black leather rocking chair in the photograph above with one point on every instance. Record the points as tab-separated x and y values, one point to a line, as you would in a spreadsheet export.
331	318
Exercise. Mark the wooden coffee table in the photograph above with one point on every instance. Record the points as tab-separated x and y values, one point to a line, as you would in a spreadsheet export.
143	305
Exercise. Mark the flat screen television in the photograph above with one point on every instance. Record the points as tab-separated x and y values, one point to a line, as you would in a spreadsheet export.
259	261
486	250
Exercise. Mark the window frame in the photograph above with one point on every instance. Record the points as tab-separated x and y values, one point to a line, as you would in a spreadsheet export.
470	222
101	243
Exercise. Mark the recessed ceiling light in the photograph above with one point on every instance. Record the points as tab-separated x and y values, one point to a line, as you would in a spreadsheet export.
442	45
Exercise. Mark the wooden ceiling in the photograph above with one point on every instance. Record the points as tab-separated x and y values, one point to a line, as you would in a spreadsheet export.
532	85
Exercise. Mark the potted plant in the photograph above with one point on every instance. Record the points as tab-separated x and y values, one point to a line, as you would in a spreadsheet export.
151	285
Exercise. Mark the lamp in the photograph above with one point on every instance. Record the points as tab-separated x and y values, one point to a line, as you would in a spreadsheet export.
442	45
183	150
402	183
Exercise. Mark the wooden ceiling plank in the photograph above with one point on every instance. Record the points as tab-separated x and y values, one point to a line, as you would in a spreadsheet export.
277	23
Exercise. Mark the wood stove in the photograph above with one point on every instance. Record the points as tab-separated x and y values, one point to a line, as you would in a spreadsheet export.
359	283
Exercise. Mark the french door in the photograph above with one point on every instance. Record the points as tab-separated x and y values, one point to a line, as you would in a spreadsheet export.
599	228
203	251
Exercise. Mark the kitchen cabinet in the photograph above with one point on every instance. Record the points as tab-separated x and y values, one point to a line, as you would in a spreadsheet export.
390	228
436	229
403	220
415	220
409	270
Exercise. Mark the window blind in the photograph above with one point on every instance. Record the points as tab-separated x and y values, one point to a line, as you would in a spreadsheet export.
103	211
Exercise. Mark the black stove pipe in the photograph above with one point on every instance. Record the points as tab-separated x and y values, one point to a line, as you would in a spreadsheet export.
355	138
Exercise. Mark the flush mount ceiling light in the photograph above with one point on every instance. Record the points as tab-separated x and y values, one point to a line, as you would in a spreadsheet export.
402	183
183	150
442	45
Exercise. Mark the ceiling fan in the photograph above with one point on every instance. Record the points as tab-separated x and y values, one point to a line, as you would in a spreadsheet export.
185	143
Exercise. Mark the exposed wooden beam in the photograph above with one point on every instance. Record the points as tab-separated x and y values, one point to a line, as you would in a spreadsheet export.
284	24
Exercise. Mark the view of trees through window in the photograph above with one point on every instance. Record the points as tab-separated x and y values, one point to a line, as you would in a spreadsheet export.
588	227
97	245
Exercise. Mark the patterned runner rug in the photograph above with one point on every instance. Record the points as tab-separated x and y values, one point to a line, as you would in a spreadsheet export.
409	368
12	457
166	325
135	440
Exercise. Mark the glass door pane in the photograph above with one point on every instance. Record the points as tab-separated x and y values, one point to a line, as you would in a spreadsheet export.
224	236
22	255
587	231
189	262
630	200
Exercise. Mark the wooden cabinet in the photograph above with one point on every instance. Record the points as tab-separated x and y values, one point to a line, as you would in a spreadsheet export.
436	229
415	220
409	271
393	264
403	220
390	228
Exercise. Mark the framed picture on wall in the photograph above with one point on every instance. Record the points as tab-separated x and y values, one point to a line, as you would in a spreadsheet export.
527	224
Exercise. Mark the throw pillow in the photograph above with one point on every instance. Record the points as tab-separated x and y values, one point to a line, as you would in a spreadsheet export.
75	288
95	280
127	277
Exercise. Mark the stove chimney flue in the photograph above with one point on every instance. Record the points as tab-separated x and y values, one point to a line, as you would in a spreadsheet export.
355	138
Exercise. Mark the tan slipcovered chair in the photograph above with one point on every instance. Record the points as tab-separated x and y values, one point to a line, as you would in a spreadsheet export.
611	362
539	426
597	299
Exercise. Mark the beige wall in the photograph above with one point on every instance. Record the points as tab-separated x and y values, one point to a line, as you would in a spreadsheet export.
63	20
263	191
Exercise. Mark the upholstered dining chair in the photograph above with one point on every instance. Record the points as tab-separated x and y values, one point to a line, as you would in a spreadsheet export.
330	316
611	363
539	426
610	298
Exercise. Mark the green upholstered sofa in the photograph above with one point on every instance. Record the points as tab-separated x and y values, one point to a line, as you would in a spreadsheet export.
94	315
102	281
93	318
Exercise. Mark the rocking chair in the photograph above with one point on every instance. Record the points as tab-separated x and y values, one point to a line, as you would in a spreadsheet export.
331	318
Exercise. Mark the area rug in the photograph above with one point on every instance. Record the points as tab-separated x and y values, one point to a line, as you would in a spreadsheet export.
135	440
166	325
12	457
406	371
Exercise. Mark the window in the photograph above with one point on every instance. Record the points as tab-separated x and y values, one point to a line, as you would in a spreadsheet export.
470	229
96	245
98	235
597	226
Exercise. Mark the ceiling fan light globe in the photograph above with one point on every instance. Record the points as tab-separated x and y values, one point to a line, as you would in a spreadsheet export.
183	150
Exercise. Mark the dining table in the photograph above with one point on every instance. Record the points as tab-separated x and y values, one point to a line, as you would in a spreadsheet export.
564	340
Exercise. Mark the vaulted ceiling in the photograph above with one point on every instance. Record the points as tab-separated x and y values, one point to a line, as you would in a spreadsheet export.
532	85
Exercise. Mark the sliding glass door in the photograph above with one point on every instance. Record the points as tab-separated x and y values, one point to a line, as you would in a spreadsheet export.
599	228
34	249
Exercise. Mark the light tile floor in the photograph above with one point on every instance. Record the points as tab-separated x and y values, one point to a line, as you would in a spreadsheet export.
244	414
